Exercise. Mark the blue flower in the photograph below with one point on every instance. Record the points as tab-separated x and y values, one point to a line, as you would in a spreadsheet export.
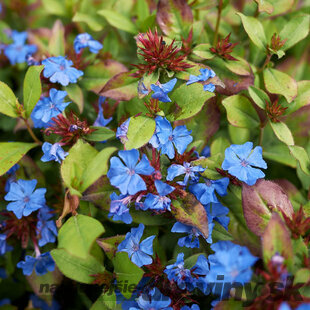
161	91
232	261
239	160
53	152
190	172
39	303
118	208
205	192
84	40
165	138
12	177
46	228
13	169
100	120
286	306
203	77
18	50
193	307
121	131
24	198
206	152
139	253
142	90
49	107
189	241
154	300
218	213
59	70
4	247
159	202
42	264
180	275
126	176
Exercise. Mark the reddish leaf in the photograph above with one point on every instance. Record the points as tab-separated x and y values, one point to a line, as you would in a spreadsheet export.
191	212
260	200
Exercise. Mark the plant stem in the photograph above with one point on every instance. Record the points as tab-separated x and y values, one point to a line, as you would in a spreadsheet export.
34	137
219	12
261	134
267	60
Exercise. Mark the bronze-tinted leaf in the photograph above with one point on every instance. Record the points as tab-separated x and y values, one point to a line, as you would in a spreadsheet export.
190	211
276	239
174	16
260	200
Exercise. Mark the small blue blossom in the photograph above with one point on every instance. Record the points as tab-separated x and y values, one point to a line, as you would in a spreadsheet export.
180	275
193	307
286	306
165	138
119	210
154	300
232	261
24	198
5	301
13	169
121	131
203	77
49	107
12	177
142	90
190	172
60	70
159	202
53	152
126	176
42	264
206	152
46	227
139	253
189	241
216	211
18	50
239	160
4	247
39	303
100	120
161	91
205	192
84	40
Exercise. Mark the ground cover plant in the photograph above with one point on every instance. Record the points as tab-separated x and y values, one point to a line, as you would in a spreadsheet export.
154	154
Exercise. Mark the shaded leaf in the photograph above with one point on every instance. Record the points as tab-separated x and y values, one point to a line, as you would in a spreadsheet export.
8	102
56	46
75	93
100	134
110	244
282	132
302	157
258	96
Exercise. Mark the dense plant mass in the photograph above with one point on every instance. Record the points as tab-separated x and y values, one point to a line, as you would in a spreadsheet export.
154	154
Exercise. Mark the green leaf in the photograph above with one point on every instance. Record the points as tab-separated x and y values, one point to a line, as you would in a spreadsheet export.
110	244
238	135
280	154
119	21
258	96
219	145
78	234
282	132
54	7
240	112
189	99
32	88
203	51
77	268
8	102
106	301
11	153
100	134
277	82
276	239
125	270
240	67
75	93
255	30
120	87
296	29
73	167
97	166
140	131
94	22
190	211
56	46
302	157
143	11
210	163
302	99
